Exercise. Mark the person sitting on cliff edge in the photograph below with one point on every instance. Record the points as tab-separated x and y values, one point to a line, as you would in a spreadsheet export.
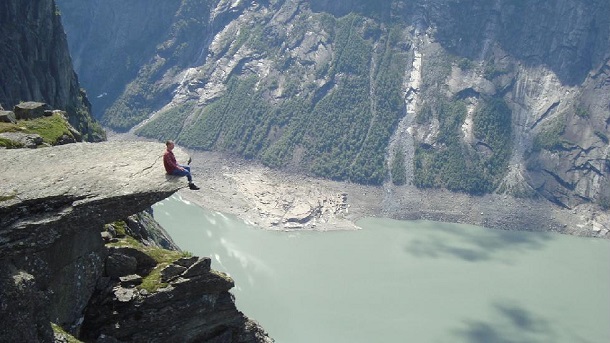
173	168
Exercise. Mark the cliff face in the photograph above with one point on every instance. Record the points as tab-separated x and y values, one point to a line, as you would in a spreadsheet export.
478	96
35	63
52	255
125	30
568	37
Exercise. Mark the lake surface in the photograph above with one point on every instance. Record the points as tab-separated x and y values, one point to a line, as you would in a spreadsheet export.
405	281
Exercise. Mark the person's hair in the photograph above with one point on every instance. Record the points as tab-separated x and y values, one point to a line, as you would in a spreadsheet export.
168	142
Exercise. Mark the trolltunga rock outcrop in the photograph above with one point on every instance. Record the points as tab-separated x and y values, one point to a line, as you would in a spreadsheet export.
75	185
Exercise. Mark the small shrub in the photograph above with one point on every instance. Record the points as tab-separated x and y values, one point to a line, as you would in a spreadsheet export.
582	112
465	64
550	138
9	144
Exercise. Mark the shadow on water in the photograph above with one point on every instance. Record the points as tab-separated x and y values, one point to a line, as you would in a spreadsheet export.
511	324
474	244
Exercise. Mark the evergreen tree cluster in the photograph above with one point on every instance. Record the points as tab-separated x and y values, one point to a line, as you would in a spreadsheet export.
342	128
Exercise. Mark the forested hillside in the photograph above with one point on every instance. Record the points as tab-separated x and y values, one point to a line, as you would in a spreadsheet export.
477	96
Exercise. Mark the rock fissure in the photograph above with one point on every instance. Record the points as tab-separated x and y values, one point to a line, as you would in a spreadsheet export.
546	114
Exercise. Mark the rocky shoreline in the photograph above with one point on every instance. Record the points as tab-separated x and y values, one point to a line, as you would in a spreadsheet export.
279	200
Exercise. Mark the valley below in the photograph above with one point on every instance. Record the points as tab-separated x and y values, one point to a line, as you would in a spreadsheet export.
280	200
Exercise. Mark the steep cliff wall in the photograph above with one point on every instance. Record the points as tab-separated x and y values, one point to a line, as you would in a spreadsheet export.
477	96
54	203
35	64
125	33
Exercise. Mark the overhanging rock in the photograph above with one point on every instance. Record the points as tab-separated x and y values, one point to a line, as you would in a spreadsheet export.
48	192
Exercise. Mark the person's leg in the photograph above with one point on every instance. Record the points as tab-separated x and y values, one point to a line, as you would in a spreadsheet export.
188	176
185	172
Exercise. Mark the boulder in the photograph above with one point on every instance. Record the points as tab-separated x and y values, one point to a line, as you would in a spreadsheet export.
7	117
144	263
26	140
30	110
186	261
124	295
171	272
201	267
118	264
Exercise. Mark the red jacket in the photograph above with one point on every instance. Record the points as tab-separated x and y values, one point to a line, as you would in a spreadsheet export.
169	162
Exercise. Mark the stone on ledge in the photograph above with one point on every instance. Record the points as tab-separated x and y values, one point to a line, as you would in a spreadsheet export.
30	110
201	267
186	261
130	280
171	272
7	117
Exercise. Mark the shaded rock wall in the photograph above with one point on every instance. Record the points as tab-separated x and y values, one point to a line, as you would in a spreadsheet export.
35	63
569	37
125	30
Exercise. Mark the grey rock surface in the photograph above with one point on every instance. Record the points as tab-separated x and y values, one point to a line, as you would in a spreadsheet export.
31	110
7	116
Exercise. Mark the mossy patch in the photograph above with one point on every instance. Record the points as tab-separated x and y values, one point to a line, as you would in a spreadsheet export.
49	128
7	197
9	144
163	257
60	331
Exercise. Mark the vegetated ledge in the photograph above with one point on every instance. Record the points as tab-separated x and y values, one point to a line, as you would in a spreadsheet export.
54	203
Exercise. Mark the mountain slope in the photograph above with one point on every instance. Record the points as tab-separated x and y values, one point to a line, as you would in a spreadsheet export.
473	96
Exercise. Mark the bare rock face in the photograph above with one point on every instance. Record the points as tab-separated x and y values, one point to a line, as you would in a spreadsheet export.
197	295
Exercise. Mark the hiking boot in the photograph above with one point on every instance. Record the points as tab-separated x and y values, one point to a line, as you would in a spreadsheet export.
193	186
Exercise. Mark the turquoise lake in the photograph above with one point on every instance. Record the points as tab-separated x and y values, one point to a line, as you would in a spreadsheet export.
405	281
